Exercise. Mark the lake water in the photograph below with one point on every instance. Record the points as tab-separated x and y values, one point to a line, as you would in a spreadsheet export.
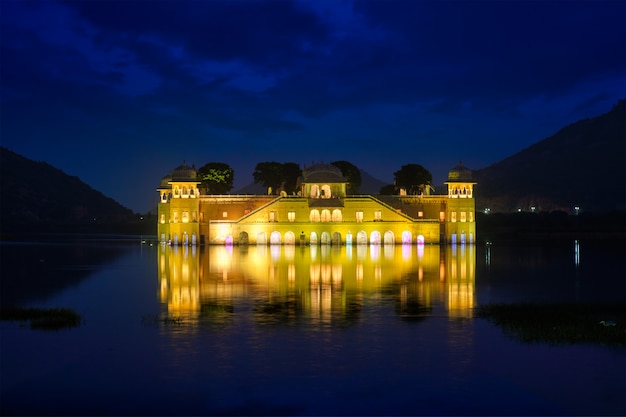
303	330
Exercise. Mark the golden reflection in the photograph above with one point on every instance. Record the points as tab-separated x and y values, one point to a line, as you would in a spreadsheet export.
320	285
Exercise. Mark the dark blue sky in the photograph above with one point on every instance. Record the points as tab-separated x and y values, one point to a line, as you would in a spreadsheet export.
120	92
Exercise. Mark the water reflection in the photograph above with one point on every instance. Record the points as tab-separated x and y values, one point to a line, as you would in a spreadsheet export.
315	285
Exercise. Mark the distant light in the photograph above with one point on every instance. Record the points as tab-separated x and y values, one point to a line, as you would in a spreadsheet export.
487	210
577	209
519	210
533	208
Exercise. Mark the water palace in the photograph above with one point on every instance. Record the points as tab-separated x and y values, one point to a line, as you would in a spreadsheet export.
320	213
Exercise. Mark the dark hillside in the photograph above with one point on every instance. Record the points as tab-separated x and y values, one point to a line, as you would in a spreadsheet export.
583	164
35	195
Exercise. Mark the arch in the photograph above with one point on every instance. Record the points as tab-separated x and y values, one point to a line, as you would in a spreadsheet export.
389	238
175	239
407	237
243	238
420	239
313	238
462	237
325	240
361	238
336	240
314	216
228	240
325	217
337	216
453	238
375	238
326	192
194	237
315	191
275	238
261	238
290	238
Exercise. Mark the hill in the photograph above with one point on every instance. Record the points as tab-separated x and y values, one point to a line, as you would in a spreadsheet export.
583	164
35	195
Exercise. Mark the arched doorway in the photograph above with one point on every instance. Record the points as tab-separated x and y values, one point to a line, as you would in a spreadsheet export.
275	238
290	238
243	238
361	238
261	238
389	238
313	239
336	239
407	237
325	240
375	238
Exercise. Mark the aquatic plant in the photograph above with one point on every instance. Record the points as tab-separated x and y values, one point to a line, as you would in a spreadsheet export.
42	318
559	323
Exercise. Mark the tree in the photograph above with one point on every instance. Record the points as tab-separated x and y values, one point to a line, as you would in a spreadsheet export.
216	177
277	176
413	178
387	189
352	174
291	172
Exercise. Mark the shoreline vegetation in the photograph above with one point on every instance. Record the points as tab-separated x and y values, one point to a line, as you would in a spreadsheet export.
42	318
559	323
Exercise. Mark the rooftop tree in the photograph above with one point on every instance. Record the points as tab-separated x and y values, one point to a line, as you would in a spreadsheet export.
216	177
413	178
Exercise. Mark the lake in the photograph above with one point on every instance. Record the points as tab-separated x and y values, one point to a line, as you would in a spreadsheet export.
312	330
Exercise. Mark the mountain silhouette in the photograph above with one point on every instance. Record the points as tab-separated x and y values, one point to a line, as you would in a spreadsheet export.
582	165
36	195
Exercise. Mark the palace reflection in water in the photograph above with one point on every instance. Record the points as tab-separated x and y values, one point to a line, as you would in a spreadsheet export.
316	285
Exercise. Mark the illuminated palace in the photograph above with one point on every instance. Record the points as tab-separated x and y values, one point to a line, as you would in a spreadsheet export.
320	213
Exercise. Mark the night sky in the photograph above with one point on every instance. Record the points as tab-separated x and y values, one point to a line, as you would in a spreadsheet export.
119	93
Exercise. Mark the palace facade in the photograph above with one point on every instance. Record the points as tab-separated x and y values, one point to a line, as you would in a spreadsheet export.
320	213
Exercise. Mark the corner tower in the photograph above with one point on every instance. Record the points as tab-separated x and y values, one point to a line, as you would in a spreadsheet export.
179	206
460	216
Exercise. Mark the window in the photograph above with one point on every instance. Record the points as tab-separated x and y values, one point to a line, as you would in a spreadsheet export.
471	216
337	217
224	214
162	218
325	215
291	216
272	216
175	217
453	216
185	217
378	215
463	216
420	214
202	216
314	216
194	216
442	216
359	216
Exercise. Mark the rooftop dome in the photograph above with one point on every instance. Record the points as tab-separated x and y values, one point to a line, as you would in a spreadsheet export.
323	173
165	181
184	173
460	173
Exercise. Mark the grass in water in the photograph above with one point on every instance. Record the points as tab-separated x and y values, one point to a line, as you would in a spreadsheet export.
42	318
560	323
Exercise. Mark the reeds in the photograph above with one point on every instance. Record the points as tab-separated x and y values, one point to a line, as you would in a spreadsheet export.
42	318
560	323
